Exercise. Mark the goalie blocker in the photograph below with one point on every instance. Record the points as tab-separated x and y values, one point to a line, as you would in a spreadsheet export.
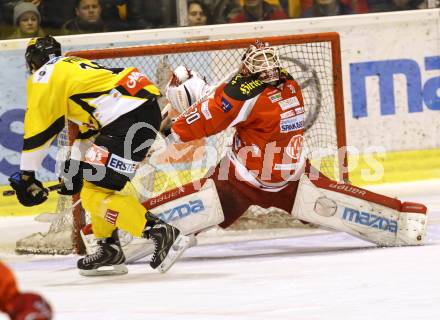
370	216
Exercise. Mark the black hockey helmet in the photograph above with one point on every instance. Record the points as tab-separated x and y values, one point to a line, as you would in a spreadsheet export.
41	50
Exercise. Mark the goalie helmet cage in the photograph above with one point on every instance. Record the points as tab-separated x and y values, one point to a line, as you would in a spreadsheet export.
314	60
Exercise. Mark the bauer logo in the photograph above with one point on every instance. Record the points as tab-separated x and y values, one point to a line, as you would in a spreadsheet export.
369	220
348	188
182	211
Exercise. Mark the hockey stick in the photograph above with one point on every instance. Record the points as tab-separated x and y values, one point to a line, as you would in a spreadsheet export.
54	187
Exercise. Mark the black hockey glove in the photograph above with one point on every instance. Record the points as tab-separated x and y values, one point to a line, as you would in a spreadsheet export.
71	176
30	192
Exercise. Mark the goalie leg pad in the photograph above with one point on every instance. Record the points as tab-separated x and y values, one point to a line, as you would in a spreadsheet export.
188	208
372	217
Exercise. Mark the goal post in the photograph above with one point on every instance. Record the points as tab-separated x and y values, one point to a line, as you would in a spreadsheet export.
314	60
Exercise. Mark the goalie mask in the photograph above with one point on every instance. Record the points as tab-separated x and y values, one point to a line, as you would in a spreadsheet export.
263	60
41	50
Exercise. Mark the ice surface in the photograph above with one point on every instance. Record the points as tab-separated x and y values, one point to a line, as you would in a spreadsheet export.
318	276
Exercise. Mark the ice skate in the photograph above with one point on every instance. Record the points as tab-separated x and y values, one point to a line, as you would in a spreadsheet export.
108	259
169	243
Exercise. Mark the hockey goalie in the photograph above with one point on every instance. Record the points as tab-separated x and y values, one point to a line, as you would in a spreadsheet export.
266	165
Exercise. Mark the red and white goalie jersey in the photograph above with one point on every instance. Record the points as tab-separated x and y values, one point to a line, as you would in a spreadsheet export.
269	122
268	161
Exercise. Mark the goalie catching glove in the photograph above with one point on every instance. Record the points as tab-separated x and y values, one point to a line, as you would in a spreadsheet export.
30	192
71	177
185	88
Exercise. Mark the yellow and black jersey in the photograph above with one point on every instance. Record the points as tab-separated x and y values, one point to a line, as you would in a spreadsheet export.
80	90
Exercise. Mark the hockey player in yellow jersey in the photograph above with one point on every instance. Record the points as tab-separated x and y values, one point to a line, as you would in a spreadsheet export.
117	112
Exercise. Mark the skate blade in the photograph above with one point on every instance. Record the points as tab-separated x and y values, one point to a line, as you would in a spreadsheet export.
179	246
119	269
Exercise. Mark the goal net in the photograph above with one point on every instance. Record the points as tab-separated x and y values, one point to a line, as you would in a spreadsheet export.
313	60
